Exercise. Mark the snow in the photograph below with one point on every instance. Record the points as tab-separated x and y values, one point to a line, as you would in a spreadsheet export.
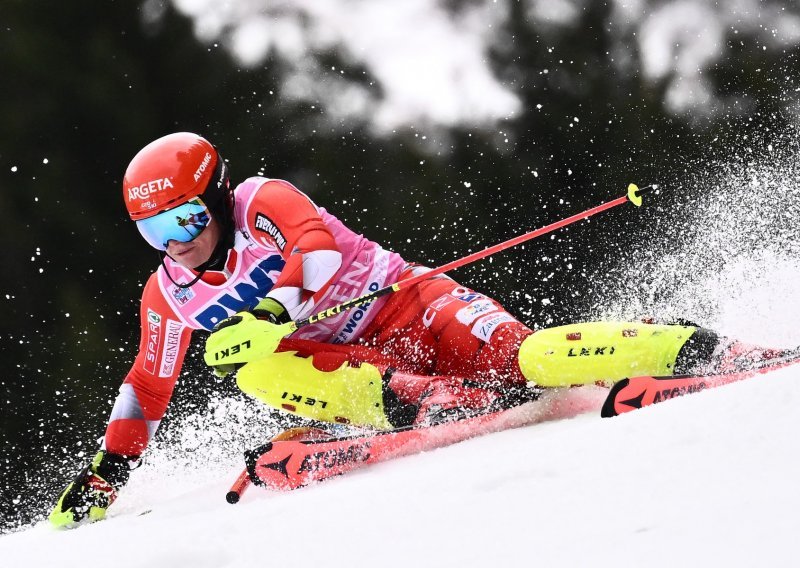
709	479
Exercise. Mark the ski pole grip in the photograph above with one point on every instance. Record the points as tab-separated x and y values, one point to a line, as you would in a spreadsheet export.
238	488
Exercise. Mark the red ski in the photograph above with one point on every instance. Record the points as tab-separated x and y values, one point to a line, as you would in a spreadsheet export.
288	464
638	392
284	465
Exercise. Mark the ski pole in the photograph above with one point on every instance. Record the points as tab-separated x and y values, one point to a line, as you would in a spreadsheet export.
268	342
238	488
634	195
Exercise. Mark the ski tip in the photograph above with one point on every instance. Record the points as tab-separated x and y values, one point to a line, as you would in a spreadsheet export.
609	407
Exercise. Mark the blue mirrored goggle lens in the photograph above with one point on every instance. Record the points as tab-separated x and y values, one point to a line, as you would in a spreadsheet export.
183	224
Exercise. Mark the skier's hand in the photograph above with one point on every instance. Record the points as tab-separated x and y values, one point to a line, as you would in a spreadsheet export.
92	491
242	338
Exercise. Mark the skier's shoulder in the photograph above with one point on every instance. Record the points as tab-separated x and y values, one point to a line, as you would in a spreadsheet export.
275	207
267	192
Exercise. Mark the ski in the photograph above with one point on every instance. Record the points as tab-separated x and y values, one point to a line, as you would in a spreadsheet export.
300	433
284	465
637	392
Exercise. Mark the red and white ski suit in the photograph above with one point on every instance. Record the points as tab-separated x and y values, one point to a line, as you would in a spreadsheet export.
437	333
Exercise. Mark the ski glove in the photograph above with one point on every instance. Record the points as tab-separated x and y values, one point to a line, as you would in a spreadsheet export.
92	491
247	336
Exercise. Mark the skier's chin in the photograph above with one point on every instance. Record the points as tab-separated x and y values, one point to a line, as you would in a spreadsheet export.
191	258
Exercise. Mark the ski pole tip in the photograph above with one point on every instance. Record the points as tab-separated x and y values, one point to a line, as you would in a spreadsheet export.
232	497
633	195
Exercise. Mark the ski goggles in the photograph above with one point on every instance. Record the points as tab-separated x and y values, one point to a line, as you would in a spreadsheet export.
183	224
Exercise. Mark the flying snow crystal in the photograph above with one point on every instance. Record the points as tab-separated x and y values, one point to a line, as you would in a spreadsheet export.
13	168
725	259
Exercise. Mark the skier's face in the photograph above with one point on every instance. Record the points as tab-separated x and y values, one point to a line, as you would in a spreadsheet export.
197	251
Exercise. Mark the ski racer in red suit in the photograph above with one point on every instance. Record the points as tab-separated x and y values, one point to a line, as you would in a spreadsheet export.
265	254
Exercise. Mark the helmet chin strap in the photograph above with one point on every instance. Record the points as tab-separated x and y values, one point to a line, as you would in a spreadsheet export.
190	284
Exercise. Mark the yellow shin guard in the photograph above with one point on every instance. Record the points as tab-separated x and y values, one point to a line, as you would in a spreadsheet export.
291	383
591	352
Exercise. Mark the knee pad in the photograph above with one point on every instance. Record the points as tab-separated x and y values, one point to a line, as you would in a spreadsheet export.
601	352
346	395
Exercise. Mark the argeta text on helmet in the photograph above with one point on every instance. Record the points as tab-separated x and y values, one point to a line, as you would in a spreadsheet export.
144	190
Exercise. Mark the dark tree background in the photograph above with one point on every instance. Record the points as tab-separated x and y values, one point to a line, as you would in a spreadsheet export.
86	84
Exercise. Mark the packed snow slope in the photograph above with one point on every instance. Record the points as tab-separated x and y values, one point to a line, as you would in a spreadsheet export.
705	480
709	479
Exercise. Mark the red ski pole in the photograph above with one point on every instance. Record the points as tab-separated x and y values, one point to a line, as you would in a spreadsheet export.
223	355
238	488
633	195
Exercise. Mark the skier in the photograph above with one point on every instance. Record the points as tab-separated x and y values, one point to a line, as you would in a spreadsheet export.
242	261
